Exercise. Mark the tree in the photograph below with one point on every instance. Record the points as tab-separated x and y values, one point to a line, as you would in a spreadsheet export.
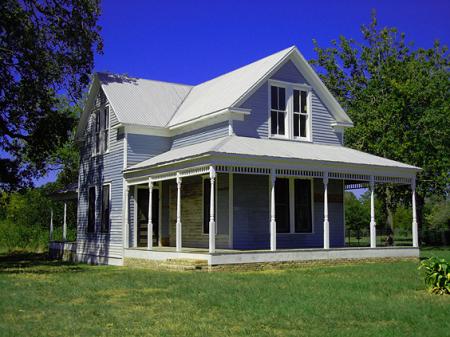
357	216
46	50
399	100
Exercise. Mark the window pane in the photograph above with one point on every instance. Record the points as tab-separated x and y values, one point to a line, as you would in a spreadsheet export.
97	142
274	97
296	101
105	140
273	122
282	205
303	120
106	112
303	217
206	203
105	209
296	126
91	210
281	99
281	123
97	121
303	103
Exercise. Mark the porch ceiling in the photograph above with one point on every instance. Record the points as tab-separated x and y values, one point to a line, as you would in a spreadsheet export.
235	150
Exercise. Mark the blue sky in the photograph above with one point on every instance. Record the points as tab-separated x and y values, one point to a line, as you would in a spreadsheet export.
193	41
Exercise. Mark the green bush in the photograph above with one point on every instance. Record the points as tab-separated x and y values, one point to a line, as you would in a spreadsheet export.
437	275
14	237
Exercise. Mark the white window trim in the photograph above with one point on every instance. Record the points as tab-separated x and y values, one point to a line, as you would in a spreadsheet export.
289	120
292	206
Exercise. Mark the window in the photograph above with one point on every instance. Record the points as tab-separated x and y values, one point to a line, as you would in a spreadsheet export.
278	110
290	110
106	129
302	197
106	190
102	130
300	207
300	112
206	203
91	210
282	215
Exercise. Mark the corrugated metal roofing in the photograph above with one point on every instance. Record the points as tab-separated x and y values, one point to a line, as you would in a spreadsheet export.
142	102
221	92
271	148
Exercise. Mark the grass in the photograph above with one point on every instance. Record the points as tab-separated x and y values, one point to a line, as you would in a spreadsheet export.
384	298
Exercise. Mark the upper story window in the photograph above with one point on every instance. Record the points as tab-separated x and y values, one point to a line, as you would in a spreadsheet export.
278	111
102	130
290	115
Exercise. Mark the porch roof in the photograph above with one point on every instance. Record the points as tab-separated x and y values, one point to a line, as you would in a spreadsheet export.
236	146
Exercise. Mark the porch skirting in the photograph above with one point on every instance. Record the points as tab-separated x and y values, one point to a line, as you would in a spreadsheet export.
282	255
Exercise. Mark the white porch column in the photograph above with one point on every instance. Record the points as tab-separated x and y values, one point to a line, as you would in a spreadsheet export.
126	235
51	225
150	222
415	230
373	229
212	223
326	224
178	224
65	222
273	223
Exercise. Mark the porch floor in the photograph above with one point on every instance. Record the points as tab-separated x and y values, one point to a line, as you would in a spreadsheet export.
232	256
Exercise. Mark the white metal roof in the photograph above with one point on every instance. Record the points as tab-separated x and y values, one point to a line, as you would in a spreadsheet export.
142	102
272	149
150	103
223	91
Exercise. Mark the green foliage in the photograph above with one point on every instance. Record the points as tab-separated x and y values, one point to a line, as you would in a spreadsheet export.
46	49
437	275
437	214
399	100
357	216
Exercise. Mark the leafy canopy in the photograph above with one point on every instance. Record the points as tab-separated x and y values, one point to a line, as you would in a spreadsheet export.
46	50
398	98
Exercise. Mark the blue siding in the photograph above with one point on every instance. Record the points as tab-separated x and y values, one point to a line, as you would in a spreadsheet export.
251	216
142	147
95	171
200	135
256	125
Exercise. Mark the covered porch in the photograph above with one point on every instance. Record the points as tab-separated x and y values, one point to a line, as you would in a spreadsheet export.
244	224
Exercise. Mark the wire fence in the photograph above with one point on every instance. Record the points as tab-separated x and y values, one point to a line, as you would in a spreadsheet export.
397	237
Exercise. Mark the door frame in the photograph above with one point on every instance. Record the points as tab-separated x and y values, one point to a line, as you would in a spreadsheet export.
156	186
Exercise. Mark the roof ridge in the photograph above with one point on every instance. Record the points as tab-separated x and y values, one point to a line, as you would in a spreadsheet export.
145	79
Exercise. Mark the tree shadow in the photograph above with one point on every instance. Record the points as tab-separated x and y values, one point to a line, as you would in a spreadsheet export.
35	263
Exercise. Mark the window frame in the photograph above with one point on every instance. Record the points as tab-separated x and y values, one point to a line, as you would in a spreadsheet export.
308	126
101	133
108	228
289	120
292	205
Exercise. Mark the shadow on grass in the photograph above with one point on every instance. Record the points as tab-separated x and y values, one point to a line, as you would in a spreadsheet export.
34	263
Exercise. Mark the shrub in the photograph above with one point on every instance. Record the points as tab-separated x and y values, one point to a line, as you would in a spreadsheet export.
437	275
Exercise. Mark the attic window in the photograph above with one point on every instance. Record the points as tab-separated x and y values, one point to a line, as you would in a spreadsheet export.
102	130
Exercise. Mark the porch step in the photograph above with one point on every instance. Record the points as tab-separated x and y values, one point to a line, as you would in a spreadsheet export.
184	264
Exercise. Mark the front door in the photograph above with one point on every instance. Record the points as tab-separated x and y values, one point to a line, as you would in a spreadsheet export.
142	216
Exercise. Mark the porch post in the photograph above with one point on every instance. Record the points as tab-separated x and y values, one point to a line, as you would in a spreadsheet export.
51	225
326	224
373	231
65	222
273	223
212	223
150	208
126	235
178	224
415	230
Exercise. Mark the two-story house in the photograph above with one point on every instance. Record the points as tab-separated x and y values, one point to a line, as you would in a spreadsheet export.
246	167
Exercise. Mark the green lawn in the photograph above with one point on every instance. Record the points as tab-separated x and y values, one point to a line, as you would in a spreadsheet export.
47	298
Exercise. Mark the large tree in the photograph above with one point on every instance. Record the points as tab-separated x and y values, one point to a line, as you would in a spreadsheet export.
398	97
46	50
